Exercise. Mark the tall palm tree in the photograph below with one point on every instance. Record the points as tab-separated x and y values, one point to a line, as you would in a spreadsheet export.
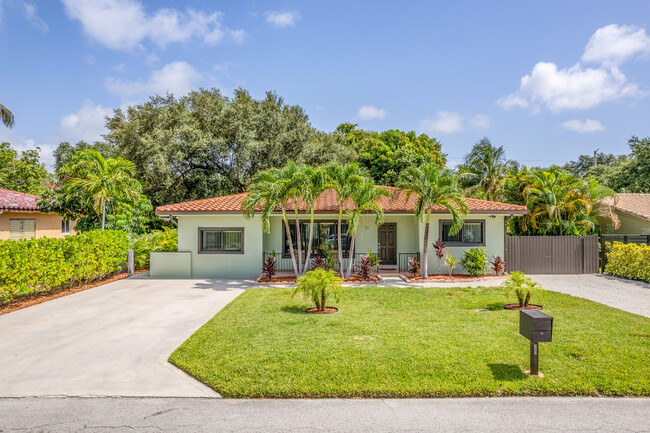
344	180
433	186
272	189
6	116
103	180
313	182
364	198
485	167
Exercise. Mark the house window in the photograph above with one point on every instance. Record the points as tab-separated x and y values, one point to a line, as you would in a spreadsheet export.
471	234
65	227
325	236
22	228
217	240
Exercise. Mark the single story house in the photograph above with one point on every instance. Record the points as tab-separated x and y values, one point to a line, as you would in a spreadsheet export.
633	212
216	240
21	219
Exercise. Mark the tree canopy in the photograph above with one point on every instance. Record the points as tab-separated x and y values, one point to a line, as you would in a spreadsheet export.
24	173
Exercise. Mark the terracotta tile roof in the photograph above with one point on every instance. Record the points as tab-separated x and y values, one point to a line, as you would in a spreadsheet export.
17	201
326	202
637	205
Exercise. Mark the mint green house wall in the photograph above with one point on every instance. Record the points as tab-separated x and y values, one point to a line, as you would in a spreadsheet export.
246	265
630	225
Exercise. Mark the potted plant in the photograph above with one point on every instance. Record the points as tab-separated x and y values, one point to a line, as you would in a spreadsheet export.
524	288
318	285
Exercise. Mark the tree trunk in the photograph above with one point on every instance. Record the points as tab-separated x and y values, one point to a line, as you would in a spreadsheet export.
309	242
340	242
298	243
425	248
322	300
351	254
103	215
289	238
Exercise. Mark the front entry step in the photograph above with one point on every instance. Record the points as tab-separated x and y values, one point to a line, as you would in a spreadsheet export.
388	268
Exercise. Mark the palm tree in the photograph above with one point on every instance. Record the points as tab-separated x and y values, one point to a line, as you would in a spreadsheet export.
313	183
485	167
434	186
272	189
364	198
6	116
344	180
103	181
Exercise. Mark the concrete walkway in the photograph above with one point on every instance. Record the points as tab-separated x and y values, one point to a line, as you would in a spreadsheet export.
626	295
387	415
112	340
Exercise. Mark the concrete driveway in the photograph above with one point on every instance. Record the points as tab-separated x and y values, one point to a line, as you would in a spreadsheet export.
626	295
113	340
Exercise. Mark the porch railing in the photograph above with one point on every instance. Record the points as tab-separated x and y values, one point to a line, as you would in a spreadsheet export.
284	264
404	260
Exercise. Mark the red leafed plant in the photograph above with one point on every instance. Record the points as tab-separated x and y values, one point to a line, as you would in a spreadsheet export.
364	268
414	267
498	265
269	268
318	263
439	246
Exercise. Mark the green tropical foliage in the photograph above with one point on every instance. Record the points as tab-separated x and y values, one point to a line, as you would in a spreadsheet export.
45	264
154	241
6	116
483	170
318	285
630	261
523	287
433	186
25	173
475	261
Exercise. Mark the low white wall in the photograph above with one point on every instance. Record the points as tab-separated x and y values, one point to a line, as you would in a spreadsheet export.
171	264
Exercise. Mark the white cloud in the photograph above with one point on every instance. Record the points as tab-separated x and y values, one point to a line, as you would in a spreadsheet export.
580	88
176	77
480	121
369	112
583	126
31	16
124	24
282	19
20	143
445	122
612	45
87	124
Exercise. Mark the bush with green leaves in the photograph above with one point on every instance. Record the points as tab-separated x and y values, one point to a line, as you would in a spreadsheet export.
318	285
522	286
475	261
629	261
158	240
44	264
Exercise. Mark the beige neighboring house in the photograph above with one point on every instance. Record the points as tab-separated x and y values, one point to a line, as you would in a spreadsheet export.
633	211
21	219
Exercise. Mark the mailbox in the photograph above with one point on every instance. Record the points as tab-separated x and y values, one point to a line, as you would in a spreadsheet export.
535	325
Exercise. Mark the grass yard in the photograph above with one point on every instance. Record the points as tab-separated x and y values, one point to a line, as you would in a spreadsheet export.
414	342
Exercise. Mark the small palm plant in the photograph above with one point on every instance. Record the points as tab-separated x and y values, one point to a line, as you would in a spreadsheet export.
318	285
523	286
450	262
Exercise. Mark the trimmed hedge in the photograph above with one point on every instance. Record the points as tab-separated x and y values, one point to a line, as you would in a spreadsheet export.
44	264
629	261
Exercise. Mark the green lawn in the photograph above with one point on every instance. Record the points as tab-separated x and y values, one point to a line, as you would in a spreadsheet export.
414	342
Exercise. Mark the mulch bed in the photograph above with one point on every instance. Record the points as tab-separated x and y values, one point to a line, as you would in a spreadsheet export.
327	310
39	298
292	280
452	279
527	307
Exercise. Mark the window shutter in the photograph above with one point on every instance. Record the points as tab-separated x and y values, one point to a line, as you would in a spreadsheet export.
22	228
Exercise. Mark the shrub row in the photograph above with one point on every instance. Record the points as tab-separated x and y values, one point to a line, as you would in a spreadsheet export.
629	261
40	265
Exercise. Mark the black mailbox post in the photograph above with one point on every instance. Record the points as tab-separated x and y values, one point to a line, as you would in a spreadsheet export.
538	328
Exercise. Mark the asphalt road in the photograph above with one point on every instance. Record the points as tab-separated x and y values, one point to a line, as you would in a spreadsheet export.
210	415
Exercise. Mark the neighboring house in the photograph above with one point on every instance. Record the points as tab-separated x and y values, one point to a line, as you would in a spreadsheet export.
216	240
633	211
21	219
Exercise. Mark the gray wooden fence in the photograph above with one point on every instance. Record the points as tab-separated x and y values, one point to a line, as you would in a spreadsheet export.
552	254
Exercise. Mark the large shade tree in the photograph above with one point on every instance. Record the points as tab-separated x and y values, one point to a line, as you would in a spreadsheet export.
433	186
24	172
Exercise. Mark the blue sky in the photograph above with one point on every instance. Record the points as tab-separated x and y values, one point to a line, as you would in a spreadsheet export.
547	80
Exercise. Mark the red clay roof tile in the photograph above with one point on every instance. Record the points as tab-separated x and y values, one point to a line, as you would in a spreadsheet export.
17	201
326	202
